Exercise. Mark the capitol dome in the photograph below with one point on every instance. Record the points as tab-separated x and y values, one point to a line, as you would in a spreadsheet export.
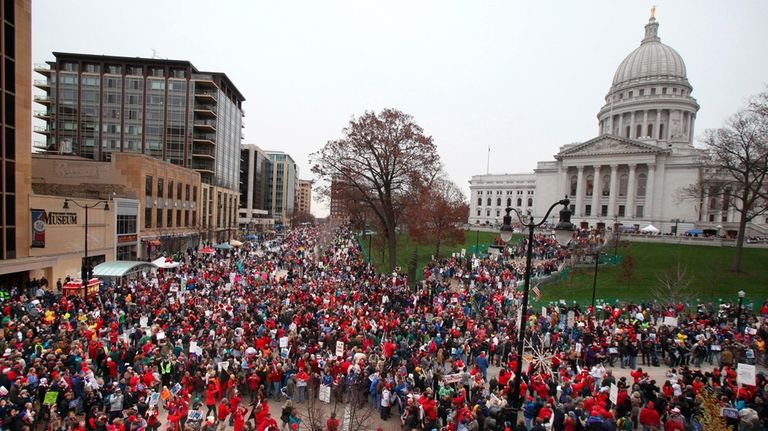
651	61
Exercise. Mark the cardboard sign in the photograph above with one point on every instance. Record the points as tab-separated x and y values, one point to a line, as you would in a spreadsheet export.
194	348
143	321
224	366
325	394
160	336
283	342
571	319
451	378
175	389
50	398
153	399
195	415
339	348
613	395
745	374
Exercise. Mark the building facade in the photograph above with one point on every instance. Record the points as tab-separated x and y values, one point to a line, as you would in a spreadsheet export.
635	170
15	142
254	164
97	105
281	187
304	196
492	193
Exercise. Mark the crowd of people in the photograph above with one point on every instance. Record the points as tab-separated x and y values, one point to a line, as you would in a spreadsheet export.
302	320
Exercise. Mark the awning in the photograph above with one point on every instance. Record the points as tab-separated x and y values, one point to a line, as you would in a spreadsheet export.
223	246
120	268
165	263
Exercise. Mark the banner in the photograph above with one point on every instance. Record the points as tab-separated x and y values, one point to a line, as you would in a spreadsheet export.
452	378
39	220
745	374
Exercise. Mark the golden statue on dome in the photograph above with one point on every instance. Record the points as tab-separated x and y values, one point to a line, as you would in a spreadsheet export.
653	12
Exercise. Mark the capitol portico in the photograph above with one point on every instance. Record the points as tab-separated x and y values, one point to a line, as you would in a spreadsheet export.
635	170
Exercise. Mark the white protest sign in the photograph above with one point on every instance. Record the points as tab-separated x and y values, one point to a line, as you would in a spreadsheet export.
544	311
160	335
143	320
745	374
613	395
154	398
224	366
194	348
339	348
452	378
283	342
571	319
325	393
670	321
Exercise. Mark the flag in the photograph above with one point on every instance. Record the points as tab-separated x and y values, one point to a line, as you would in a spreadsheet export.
537	292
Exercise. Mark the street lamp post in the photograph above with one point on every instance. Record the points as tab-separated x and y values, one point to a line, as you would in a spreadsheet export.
594	279
616	236
738	318
86	267
563	234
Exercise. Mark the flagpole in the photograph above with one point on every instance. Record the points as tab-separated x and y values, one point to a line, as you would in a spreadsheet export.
488	162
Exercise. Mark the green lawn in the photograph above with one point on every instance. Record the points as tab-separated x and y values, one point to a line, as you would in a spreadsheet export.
424	253
708	267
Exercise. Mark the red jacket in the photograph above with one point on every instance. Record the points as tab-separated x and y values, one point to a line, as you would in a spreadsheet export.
650	417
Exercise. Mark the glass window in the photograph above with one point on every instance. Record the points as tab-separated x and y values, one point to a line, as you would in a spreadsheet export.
590	184
147	217
574	183
479	201
148	186
160	188
588	210
488	201
639	211
530	202
159	217
642	179
621	210
170	189
604	211
498	202
623	179
519	202
606	185
509	202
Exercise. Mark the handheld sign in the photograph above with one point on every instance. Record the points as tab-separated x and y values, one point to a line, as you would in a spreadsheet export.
50	398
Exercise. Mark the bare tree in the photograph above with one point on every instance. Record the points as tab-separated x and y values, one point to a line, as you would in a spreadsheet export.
735	173
382	157
674	285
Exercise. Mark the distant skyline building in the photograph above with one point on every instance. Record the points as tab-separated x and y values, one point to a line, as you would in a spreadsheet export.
281	174
304	196
167	109
16	138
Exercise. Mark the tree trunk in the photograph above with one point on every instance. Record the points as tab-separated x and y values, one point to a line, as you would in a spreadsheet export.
740	239
392	242
437	249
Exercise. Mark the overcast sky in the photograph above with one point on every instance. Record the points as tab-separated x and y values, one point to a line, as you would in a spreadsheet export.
524	78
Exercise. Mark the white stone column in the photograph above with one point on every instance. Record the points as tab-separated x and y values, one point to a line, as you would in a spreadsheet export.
645	123
621	125
690	128
704	217
596	191
614	190
630	212
657	127
632	126
579	191
648	210
560	178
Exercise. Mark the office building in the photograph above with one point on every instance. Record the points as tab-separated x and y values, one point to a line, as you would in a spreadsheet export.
280	186
15	139
304	196
252	217
98	106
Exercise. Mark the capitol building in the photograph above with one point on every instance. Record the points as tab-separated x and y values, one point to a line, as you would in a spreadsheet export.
634	171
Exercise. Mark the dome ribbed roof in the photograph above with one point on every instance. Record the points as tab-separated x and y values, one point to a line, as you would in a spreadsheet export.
652	59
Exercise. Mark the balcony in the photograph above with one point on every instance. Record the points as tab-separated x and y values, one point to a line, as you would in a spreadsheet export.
40	145
205	125
42	83
44	115
205	96
204	138
44	130
205	111
203	152
203	80
43	68
203	166
43	99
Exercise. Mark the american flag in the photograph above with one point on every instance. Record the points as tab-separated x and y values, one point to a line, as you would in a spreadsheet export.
537	292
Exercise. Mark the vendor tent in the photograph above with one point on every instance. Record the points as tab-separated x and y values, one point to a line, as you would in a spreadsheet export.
235	243
223	246
694	232
207	250
650	229
121	268
165	263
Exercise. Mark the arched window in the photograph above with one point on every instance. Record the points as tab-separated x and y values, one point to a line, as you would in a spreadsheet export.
519	202
530	202
487	213
642	180
606	185
661	131
498	202
623	179
479	201
590	184
629	130
489	201
639	131
650	131
509	202
573	186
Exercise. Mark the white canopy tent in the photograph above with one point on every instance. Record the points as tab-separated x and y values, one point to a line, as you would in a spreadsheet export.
650	229
165	263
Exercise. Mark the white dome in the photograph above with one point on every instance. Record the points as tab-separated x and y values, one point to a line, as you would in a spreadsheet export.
652	60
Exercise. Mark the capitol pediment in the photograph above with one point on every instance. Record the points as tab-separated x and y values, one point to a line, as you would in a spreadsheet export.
608	145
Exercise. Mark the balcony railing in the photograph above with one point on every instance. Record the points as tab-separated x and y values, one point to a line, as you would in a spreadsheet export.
43	129
43	114
203	151
42	83
43	98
